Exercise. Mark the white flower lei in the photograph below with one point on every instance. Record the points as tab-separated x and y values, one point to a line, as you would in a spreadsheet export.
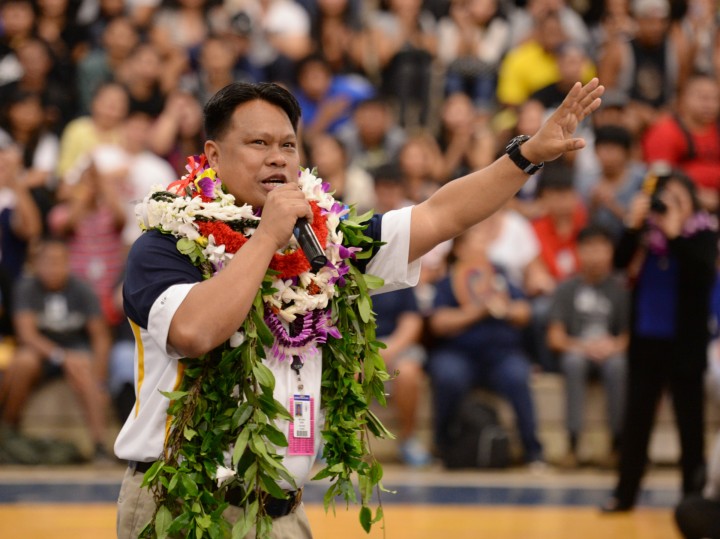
177	216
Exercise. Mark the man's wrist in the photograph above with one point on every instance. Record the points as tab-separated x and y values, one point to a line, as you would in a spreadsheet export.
529	152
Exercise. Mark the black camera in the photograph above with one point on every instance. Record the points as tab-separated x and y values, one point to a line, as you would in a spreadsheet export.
653	186
657	205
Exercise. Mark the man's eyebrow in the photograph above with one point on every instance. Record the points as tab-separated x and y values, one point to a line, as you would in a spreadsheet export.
267	135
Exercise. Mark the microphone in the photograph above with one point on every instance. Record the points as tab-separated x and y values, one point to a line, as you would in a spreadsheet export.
309	244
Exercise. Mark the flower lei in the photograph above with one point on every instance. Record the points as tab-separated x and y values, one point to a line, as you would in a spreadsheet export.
657	242
225	399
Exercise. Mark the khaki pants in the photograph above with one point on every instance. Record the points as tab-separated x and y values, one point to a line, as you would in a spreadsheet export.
136	507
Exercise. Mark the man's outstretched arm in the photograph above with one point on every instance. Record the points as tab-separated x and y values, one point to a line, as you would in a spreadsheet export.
461	203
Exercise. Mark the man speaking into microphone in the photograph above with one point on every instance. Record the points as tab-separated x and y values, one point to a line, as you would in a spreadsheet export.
236	331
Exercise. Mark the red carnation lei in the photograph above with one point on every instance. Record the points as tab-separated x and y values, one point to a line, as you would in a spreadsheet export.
289	265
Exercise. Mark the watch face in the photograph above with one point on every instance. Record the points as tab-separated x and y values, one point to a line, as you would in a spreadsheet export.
516	141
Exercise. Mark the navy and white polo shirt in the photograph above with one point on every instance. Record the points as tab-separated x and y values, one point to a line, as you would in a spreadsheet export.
158	279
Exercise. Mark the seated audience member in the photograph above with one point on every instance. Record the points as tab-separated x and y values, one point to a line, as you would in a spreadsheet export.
477	327
513	248
350	183
533	64
372	137
92	217
572	61
564	217
24	126
20	218
403	41
588	327
327	100
42	75
420	160
60	331
178	131
472	40
466	138
620	178
399	327
142	74
104	125
690	139
522	20
390	188
652	65
216	69
130	169
100	66
278	35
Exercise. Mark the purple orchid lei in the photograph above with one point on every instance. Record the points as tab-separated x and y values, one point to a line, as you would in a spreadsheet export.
657	241
314	325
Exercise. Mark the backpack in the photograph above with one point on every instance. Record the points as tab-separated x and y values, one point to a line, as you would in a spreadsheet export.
476	438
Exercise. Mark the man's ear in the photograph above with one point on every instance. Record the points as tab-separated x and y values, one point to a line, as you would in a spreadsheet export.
212	152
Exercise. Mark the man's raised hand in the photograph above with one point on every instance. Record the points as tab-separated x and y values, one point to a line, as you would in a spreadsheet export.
556	136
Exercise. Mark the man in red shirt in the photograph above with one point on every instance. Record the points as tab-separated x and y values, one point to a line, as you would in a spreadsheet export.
690	139
564	217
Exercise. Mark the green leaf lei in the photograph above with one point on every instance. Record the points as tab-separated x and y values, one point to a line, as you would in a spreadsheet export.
226	398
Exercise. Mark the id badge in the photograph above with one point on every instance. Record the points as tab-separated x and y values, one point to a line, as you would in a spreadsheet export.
301	439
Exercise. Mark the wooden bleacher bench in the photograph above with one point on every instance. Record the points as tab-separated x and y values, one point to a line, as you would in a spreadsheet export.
53	411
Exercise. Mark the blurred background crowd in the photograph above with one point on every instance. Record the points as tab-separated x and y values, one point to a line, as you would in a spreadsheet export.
604	263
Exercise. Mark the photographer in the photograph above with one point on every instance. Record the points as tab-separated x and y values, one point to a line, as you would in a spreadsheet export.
669	246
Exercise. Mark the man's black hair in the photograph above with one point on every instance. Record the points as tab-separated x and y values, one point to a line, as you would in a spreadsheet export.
219	110
614	134
312	58
388	173
556	176
594	230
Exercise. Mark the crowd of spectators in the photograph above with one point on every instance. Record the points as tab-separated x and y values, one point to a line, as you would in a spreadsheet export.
100	99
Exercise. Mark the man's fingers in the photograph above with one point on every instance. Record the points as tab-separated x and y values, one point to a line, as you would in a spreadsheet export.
581	99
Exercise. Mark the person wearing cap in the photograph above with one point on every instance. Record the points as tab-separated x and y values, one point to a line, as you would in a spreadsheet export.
651	67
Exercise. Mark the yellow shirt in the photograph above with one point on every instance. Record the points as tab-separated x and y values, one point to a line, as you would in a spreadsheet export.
526	69
78	139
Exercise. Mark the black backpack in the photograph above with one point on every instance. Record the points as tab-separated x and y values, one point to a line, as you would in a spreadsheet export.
476	438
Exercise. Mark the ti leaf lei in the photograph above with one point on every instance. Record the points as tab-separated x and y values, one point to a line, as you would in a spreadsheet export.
225	400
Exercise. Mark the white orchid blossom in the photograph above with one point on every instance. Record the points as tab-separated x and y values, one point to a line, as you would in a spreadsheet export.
223	474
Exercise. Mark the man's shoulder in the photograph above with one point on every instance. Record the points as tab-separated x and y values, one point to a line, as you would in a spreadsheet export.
153	249
153	239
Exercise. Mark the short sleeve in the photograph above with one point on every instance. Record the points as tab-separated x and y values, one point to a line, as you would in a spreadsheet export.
391	261
154	265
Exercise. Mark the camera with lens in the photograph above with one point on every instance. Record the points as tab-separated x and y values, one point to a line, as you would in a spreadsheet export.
653	185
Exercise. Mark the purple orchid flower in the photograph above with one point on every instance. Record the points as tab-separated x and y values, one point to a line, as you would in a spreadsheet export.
207	186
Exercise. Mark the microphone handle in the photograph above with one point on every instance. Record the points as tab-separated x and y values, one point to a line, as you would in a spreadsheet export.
309	244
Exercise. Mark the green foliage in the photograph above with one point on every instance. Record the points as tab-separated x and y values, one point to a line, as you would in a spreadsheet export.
226	402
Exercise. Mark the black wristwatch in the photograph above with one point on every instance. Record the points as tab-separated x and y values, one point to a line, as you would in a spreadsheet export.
513	151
